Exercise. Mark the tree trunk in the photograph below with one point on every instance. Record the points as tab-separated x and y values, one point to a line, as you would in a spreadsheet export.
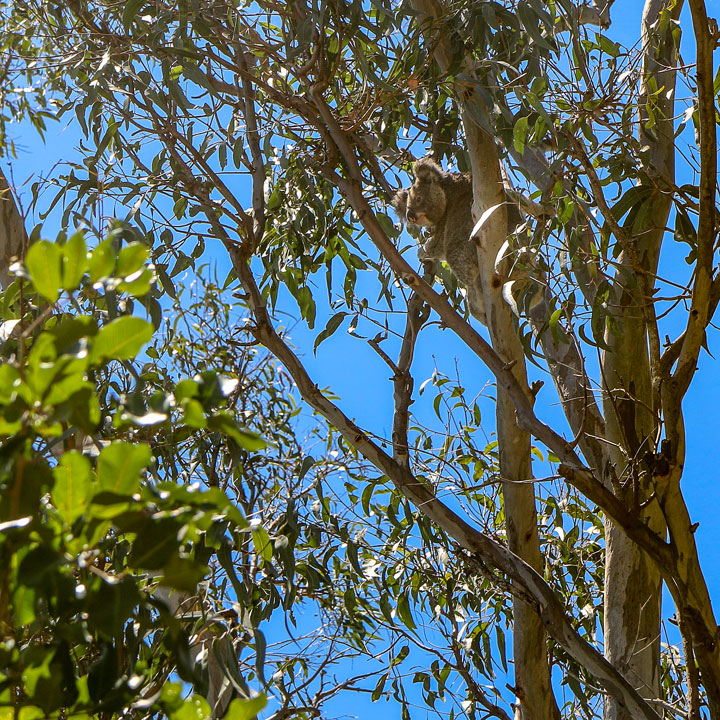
13	238
535	700
632	583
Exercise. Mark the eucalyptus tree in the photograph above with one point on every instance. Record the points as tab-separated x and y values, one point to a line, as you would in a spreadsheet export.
275	135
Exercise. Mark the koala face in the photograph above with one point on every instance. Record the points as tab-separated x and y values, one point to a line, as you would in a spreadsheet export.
426	201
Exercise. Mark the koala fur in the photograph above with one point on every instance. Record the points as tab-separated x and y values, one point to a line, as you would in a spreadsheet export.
443	201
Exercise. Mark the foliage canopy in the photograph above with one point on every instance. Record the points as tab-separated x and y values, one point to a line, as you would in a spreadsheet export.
172	516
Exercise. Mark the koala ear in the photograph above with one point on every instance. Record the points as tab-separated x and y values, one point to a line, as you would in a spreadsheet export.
399	203
427	169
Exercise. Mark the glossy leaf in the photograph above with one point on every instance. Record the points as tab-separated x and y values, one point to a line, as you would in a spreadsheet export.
246	709
74	260
121	339
43	262
120	466
71	491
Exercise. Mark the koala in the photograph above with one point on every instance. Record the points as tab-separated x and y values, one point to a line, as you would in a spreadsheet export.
443	201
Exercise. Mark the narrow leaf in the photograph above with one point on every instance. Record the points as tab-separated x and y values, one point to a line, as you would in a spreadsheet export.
263	546
403	611
332	325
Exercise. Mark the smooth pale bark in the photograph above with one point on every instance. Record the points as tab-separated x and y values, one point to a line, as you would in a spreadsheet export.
532	673
632	582
13	238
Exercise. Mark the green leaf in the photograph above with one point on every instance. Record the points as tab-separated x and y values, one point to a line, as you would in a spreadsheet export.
181	203
155	544
40	562
130	259
186	389
520	134
112	604
102	261
194	74
224	423
377	692
553	324
120	465
131	10
193	708
21	497
263	546
403	611
23	606
74	261
307	463
242	709
71	331
171	697
260	647
194	415
70	494
9	381
44	265
138	283
121	339
332	325
24	713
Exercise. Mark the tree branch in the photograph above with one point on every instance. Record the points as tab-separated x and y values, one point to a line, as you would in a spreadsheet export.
547	605
705	40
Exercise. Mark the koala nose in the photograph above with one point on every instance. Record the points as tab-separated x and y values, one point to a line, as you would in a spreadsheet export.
411	216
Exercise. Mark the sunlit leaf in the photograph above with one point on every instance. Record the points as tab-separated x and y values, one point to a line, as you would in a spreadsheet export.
121	339
120	465
43	262
70	494
74	260
246	709
130	259
102	261
263	546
